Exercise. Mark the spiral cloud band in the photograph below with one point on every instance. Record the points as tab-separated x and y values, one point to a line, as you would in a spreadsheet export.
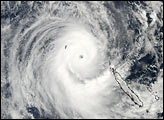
75	60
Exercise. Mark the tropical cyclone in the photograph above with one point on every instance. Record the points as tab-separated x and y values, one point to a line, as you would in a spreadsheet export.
81	56
73	60
84	80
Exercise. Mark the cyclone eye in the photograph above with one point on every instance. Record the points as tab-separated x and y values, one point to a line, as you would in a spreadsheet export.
81	56
65	46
